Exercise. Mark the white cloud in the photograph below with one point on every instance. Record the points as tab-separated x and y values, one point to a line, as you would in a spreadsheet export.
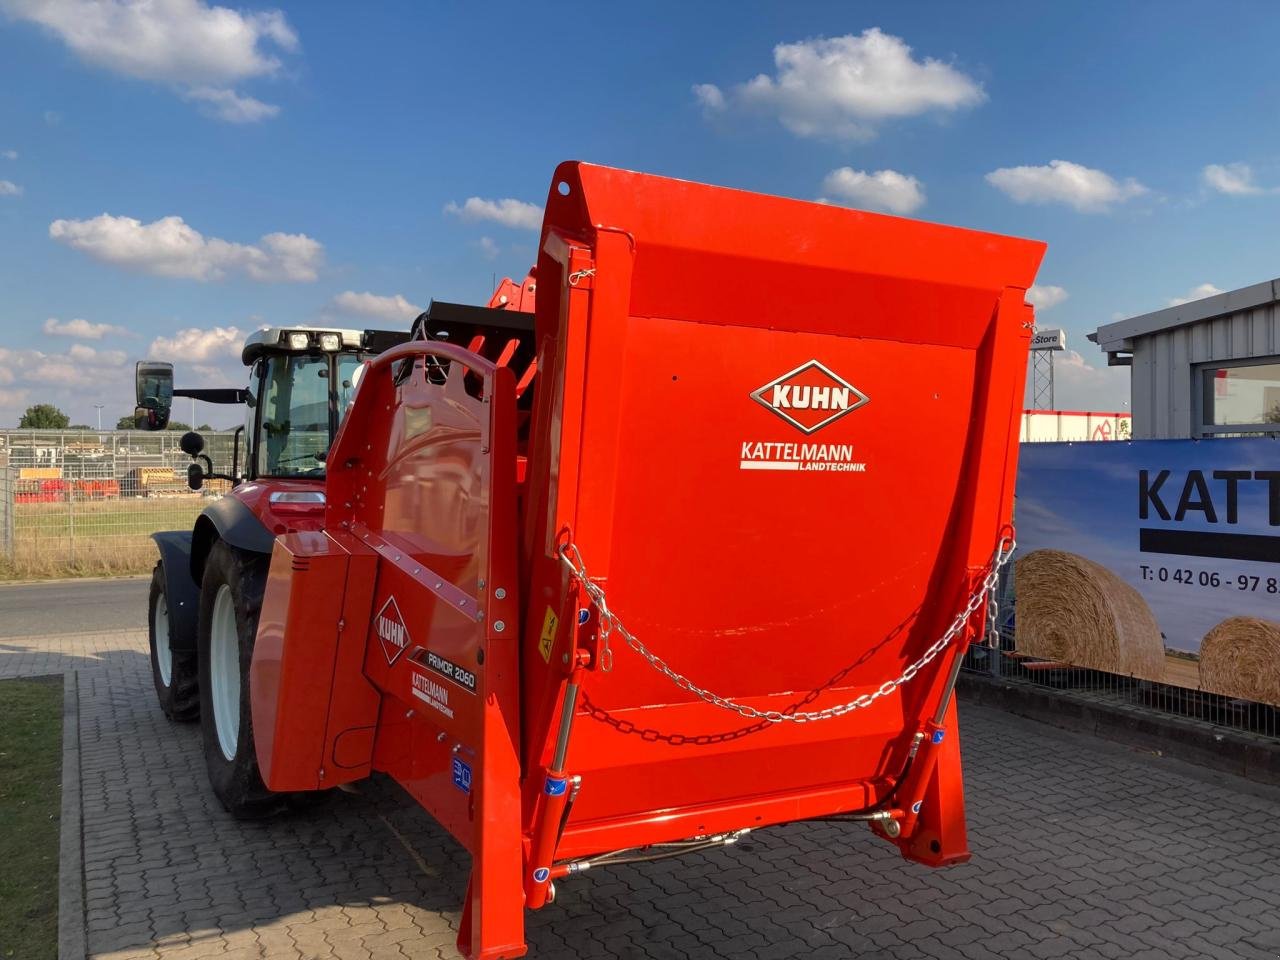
88	354
170	248
197	346
710	96
1195	293
843	87
72	381
1234	179
9	154
488	247
882	190
230	106
9	189
1085	189
185	43
510	213
80	329
1079	385
1045	296
394	309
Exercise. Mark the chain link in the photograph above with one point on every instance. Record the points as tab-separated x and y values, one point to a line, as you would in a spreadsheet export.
571	557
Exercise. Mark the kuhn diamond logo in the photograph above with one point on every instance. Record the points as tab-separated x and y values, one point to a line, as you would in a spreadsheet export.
392	632
810	397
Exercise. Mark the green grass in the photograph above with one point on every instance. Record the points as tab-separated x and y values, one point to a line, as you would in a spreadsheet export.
30	801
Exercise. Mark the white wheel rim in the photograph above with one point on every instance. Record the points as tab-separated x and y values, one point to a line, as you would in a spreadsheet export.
224	671
164	653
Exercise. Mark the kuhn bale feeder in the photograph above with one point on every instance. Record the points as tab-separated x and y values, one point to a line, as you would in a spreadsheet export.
710	569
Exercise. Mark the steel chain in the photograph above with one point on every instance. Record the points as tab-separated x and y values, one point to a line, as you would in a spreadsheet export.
609	624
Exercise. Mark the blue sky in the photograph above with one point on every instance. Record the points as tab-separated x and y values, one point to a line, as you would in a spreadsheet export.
175	174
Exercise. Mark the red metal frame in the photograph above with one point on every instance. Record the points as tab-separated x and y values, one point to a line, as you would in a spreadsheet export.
791	558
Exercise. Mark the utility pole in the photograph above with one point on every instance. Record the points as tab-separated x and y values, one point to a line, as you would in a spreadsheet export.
98	407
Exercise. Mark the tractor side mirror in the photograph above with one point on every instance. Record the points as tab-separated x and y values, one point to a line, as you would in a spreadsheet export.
153	384
191	443
195	476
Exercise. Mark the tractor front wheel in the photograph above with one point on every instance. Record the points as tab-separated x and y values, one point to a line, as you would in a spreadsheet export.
230	601
173	672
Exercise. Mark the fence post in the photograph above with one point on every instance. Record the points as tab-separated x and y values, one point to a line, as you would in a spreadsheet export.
71	518
8	496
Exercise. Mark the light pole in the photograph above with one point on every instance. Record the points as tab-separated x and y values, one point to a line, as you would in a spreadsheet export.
98	407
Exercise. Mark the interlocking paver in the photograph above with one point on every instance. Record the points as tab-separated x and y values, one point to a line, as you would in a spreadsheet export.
1080	850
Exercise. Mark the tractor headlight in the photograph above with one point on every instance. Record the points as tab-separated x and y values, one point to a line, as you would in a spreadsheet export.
330	341
298	341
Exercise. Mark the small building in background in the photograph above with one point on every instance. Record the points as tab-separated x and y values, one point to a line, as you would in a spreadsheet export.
1058	426
1206	368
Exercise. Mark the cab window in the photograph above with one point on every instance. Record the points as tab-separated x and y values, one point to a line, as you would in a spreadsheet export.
293	431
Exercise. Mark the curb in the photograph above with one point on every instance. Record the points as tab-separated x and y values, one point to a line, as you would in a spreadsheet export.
1195	742
57	580
72	937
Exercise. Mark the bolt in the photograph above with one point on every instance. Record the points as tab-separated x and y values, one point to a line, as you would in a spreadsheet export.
499	593
439	737
481	583
564	658
499	626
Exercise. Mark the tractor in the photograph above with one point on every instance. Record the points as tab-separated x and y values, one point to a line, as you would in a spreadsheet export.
207	585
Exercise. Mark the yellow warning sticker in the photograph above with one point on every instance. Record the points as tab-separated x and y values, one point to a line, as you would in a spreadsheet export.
548	640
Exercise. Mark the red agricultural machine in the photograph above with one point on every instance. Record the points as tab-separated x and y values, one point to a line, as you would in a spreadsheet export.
693	551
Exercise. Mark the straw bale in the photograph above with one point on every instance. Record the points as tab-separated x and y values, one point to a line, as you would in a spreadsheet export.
1240	657
1077	611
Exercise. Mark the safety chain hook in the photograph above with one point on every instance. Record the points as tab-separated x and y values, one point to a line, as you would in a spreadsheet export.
571	557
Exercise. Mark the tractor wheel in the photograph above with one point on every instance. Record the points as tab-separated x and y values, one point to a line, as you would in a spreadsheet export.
173	673
230	601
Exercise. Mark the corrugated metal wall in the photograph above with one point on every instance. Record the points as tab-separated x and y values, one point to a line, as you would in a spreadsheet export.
1162	383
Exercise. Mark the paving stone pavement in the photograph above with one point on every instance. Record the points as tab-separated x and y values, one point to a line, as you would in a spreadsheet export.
1080	849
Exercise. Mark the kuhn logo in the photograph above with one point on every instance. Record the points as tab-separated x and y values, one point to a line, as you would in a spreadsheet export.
810	397
392	631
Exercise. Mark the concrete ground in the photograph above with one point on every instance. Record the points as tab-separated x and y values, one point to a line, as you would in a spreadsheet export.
1081	849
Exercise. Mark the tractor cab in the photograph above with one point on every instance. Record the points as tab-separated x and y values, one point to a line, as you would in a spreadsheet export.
301	383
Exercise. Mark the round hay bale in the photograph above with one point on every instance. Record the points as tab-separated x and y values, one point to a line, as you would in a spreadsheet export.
1077	611
1240	657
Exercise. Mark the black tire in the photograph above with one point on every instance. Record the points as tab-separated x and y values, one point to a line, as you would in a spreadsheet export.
180	696
236	781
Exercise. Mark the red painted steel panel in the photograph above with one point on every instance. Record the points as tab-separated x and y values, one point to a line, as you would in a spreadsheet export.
783	437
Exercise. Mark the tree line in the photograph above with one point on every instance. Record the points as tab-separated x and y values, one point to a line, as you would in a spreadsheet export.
45	416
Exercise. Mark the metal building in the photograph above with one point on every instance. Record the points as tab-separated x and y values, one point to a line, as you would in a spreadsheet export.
1206	368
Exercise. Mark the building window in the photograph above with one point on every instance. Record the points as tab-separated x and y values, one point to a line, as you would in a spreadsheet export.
1240	397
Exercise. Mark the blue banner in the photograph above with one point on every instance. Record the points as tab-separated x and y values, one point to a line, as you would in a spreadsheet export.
1157	559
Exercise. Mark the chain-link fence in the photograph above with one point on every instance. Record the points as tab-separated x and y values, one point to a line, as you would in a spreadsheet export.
84	502
999	657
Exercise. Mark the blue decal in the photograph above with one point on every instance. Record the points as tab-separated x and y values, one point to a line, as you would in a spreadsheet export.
540	875
583	616
938	735
555	786
915	807
462	775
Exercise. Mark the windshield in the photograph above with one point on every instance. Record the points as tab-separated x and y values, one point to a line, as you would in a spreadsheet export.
294	425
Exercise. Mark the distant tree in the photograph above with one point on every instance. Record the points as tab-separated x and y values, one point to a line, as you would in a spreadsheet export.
44	416
126	423
178	425
79	426
205	428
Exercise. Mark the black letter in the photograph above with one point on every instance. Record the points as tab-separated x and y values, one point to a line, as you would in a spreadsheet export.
1203	503
1151	493
1233	478
1273	490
